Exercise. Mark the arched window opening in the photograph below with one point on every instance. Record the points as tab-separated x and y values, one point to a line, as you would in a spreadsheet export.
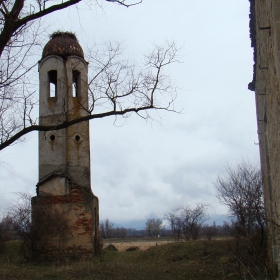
53	83
76	83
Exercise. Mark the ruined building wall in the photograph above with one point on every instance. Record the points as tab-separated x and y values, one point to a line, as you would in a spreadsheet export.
64	185
265	37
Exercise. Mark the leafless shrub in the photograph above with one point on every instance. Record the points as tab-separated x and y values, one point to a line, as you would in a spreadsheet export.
6	231
241	190
36	226
187	221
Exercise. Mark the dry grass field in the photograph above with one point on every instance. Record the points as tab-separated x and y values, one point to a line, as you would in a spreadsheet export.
143	244
167	260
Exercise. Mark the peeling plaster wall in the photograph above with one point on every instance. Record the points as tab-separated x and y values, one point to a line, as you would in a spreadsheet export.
265	36
64	151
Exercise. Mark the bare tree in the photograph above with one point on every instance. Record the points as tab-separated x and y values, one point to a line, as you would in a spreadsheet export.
241	190
154	226
17	15
149	227
175	223
187	221
108	228
192	220
102	230
117	88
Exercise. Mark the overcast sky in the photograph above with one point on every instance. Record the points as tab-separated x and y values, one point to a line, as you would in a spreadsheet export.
141	170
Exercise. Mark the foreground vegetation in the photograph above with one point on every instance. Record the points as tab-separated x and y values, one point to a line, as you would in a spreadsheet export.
198	259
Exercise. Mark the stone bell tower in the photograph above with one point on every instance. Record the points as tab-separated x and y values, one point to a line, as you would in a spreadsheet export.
64	155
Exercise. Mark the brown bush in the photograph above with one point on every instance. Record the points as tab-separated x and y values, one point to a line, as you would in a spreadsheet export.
130	249
111	247
36	226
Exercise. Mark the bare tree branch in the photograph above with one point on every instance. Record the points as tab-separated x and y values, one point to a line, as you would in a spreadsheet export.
116	86
123	3
68	123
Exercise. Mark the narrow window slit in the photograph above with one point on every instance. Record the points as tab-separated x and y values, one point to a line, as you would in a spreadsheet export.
76	83
53	83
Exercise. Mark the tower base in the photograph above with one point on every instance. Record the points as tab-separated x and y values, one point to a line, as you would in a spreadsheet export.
66	225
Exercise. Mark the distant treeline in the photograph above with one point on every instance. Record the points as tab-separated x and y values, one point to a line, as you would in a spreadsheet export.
108	230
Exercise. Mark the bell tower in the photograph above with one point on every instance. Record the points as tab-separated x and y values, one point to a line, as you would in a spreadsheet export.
64	155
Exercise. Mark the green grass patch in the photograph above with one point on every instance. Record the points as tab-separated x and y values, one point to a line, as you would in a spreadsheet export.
179	260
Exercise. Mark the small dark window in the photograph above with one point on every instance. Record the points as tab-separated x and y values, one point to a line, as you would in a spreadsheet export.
53	82
77	138
76	83
52	137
